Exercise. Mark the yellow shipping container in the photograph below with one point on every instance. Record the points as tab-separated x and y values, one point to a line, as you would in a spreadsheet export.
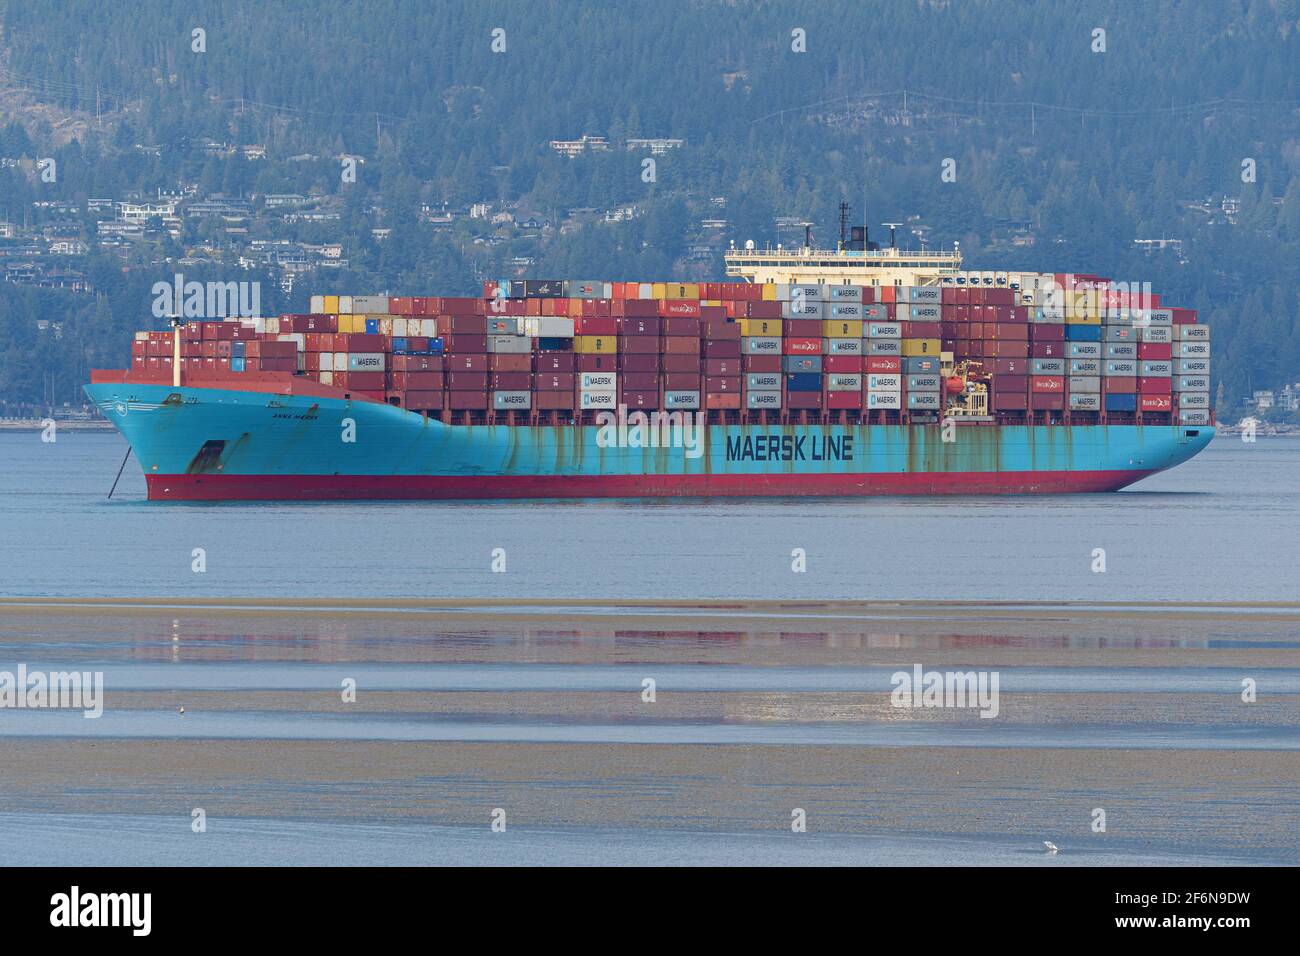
345	323
759	326
769	291
683	290
388	325
842	329
331	304
913	347
660	290
595	344
710	302
1080	319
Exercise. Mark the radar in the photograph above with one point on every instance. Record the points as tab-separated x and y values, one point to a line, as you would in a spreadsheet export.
749	245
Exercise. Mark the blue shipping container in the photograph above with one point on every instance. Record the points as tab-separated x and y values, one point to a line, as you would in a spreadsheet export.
372	326
1121	403
237	364
1083	333
804	382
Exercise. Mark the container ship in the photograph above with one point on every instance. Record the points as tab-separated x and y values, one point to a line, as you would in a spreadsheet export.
855	370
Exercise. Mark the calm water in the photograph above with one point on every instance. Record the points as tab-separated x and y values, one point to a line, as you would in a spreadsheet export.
1140	715
1220	527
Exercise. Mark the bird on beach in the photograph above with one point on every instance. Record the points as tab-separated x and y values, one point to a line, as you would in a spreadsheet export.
1051	847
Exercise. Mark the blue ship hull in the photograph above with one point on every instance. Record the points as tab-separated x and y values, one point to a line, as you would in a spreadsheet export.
226	444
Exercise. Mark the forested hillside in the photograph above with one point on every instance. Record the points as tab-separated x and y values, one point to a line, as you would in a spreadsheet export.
1184	126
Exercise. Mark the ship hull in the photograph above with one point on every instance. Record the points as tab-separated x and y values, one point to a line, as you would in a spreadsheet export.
215	444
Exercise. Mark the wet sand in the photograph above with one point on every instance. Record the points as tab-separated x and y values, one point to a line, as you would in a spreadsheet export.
1209	803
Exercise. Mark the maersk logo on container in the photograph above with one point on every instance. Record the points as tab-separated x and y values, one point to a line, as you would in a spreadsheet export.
657	429
206	300
920	688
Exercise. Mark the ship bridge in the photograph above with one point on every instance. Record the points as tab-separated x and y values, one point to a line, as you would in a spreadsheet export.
874	267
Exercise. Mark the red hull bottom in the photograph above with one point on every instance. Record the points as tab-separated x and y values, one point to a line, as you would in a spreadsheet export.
417	487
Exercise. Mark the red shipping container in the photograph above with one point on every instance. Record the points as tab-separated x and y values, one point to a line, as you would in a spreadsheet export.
803	400
723	348
553	401
769	363
835	400
472	344
1155	403
681	345
842	364
802	328
400	305
1154	386
713	313
802	346
355	342
507	381
553	381
423	400
597	362
1005	349
1155	351
722	383
1047	383
1011	366
763	310
1011	383
467	362
467	401
356	380
681	326
463	306
1184	316
406	381
689	307
1042	349
640	398
638	344
468	381
595	325
1119	385
720	329
722	366
642	361
922	330
1046	332
555	361
681	381
509	362
883	364
640	307
1042	401
722	400
417	363
641	326
638	381
685	363
1004	401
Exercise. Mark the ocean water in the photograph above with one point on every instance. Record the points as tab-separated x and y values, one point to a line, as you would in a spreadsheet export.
1219	527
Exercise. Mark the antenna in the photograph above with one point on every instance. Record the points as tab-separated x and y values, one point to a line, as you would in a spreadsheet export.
892	226
844	224
807	235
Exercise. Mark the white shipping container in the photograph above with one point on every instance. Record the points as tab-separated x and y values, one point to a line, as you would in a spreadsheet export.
345	305
327	378
508	400
761	345
1159	334
1084	384
599	381
318	304
298	338
1193	399
1085	401
763	399
363	305
1192	349
884	383
1191	383
1194	416
1192	333
401	326
509	344
549	327
844	383
842	346
884	330
366	361
600	399
272	325
884	400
